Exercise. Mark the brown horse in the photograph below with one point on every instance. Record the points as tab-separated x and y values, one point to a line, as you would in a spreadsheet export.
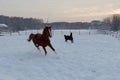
42	39
69	37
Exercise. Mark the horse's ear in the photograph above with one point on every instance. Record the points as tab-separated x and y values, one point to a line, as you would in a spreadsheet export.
46	26
50	26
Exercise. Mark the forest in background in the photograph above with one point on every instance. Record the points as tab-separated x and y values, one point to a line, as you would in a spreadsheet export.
20	23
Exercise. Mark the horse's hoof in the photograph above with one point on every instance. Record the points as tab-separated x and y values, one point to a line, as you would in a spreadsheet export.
45	54
55	52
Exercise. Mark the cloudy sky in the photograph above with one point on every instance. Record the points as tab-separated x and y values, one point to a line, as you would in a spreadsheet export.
60	10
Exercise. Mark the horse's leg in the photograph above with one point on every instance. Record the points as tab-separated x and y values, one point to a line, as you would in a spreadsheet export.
37	46
72	40
51	47
44	50
65	40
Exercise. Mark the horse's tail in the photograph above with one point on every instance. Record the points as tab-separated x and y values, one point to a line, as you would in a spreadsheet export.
65	36
30	37
29	40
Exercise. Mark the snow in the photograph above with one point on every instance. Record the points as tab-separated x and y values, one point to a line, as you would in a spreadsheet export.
90	57
3	25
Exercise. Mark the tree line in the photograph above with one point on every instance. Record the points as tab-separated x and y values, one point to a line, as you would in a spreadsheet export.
19	23
113	21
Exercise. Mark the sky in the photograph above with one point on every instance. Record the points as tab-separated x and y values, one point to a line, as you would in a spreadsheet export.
60	10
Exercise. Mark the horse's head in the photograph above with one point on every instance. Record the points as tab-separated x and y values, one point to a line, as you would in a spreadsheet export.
70	33
31	37
47	31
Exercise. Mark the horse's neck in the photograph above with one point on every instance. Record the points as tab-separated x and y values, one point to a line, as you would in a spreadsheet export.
45	33
44	36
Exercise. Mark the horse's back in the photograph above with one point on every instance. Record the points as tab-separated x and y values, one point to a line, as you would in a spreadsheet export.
38	35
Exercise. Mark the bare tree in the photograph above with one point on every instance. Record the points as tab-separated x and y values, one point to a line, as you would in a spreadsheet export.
113	21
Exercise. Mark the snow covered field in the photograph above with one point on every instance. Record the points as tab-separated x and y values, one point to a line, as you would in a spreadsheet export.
90	57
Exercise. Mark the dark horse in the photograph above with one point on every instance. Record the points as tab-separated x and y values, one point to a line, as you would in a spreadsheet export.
42	39
69	37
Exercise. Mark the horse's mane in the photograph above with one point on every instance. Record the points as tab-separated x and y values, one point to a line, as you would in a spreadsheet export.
44	31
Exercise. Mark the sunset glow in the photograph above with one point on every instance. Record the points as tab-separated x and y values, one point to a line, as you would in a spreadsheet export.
60	10
117	11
